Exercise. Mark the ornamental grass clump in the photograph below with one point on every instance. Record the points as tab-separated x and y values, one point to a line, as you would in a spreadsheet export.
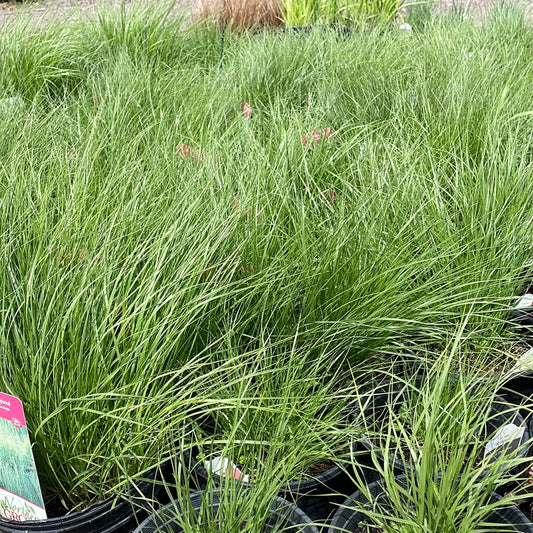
448	464
228	509
136	278
360	13
412	504
282	417
453	419
240	14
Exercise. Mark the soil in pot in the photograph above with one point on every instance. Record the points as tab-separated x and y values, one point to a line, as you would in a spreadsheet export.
319	468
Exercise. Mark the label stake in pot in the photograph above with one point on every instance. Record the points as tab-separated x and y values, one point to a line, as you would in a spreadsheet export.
509	436
20	492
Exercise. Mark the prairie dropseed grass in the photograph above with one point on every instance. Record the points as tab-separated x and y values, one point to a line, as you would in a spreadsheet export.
140	290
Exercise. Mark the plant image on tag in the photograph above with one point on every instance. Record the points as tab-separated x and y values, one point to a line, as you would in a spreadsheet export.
20	493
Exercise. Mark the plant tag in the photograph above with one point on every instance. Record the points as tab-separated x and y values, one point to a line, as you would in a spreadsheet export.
523	363
509	435
524	302
223	467
20	493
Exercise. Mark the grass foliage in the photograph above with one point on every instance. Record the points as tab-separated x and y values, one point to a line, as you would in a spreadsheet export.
279	409
166	248
449	475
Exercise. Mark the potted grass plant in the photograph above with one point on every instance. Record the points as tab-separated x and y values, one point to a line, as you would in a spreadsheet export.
285	419
114	514
219	510
412	503
445	489
408	418
154	430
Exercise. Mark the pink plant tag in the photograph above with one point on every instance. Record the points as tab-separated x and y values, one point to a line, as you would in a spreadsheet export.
20	492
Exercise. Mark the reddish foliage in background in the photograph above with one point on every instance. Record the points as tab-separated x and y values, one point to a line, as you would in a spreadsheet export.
205	272
247	269
246	110
332	197
247	215
188	152
241	14
316	137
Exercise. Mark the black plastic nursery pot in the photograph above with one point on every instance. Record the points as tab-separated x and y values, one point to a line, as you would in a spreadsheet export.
518	390
317	496
349	515
502	413
283	516
522	312
521	318
114	515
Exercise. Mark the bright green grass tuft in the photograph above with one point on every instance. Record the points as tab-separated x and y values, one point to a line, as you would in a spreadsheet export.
128	267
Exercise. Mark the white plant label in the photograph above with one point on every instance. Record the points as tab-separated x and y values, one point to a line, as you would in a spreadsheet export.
524	302
223	467
509	435
20	493
524	362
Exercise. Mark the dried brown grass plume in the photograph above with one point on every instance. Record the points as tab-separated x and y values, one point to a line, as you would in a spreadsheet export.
241	14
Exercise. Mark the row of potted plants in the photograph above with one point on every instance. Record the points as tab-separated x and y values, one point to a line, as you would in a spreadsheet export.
374	509
103	272
448	429
365	511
